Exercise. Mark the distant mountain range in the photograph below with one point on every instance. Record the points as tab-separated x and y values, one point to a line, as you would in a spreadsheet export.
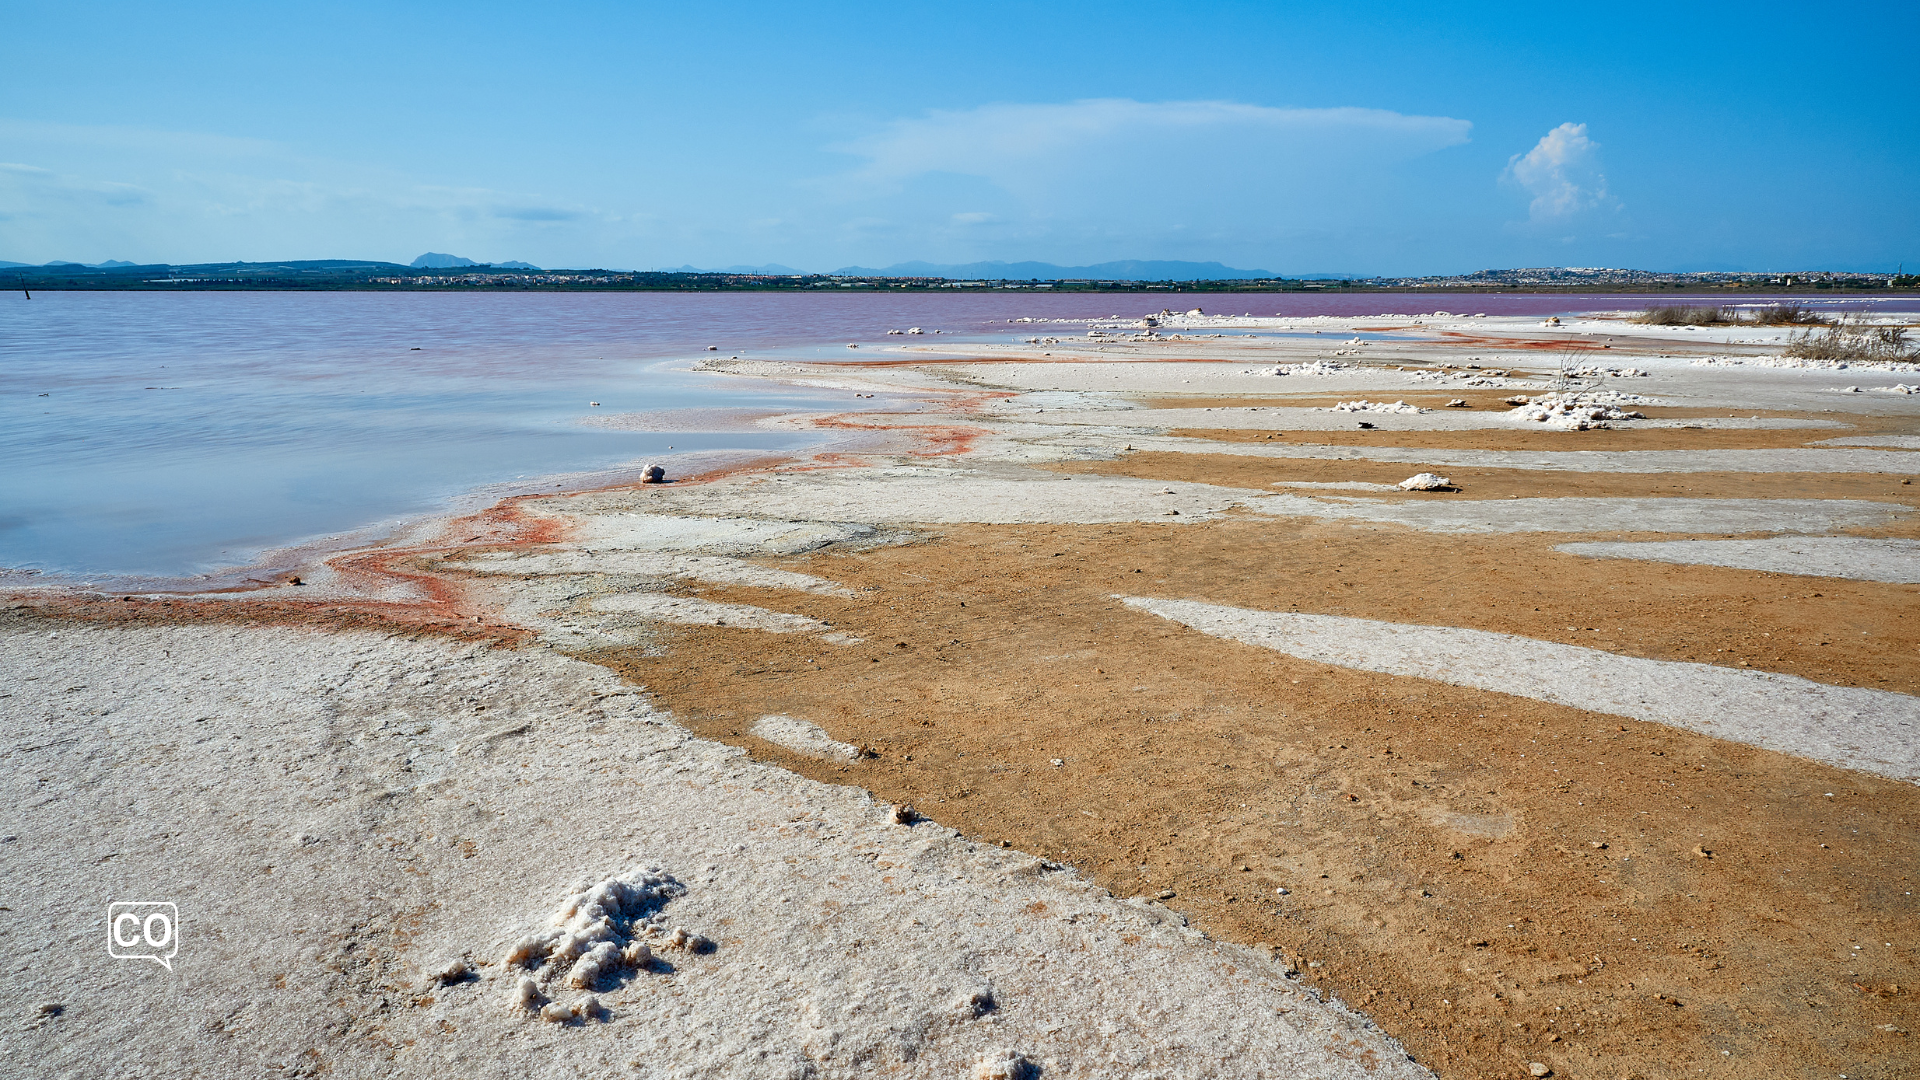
434	260
770	269
108	265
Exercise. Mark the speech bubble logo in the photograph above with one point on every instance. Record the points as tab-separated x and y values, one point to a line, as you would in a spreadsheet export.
143	930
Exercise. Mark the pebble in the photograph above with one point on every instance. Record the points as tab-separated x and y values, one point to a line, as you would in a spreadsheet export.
1538	1069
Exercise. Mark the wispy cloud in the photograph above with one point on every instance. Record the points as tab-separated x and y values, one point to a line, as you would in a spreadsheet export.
29	189
1021	146
1562	172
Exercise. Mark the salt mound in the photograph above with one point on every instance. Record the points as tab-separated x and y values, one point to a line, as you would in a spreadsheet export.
1375	407
1425	481
1576	412
1315	367
803	738
600	933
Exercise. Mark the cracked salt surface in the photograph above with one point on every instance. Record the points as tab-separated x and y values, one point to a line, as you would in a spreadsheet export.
1875	731
374	840
1853	557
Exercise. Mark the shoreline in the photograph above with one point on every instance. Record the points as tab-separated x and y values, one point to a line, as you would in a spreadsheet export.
830	589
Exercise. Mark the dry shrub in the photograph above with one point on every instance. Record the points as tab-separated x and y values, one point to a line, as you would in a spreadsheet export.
1852	341
1786	315
1684	315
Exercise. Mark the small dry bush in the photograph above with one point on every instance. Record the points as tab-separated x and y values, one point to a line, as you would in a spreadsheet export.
1786	315
1684	315
1854	342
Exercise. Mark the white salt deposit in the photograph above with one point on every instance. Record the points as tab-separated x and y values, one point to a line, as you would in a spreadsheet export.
1336	485
1425	481
1804	364
1577	412
653	532
1595	515
1854	557
1875	731
330	808
717	569
803	737
1903	442
1365	406
1793	459
692	611
1312	367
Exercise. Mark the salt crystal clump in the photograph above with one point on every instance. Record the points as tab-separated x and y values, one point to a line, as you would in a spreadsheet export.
1316	367
1376	407
1571	411
1004	1065
1425	481
595	935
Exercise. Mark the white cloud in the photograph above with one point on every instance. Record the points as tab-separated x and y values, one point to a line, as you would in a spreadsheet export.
1030	149
1562	172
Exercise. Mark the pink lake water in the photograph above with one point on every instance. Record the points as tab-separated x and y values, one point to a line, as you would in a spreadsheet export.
173	434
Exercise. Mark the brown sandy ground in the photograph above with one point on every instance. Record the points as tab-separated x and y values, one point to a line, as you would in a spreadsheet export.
1261	474
1626	900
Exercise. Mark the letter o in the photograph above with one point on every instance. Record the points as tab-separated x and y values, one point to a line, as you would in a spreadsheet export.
166	924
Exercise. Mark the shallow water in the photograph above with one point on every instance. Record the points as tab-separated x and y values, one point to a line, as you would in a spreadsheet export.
171	434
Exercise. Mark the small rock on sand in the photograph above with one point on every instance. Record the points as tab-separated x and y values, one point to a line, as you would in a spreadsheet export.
654	475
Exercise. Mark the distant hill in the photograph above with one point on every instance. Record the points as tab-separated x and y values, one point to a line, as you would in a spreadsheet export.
436	260
1123	270
772	269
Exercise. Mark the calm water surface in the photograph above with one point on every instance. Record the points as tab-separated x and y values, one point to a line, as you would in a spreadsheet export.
175	433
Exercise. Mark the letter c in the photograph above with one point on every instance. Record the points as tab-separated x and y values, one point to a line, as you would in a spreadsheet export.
120	920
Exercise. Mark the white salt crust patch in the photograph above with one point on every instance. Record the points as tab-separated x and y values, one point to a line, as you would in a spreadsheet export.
1298	418
1336	485
1853	557
1594	515
717	569
690	611
1811	460
803	737
1900	442
342	817
941	494
1875	731
666	533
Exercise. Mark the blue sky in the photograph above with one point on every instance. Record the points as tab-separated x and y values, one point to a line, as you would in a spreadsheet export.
1373	138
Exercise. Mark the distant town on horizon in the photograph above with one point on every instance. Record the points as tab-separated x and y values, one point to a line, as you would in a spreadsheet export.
436	271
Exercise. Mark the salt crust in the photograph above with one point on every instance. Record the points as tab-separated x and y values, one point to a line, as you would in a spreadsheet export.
1852	557
717	569
1875	731
1595	515
1802	363
1810	459
1377	407
338	814
803	737
691	611
1903	442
